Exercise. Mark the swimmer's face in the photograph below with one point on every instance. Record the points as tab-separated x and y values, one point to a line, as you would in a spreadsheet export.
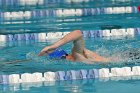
69	57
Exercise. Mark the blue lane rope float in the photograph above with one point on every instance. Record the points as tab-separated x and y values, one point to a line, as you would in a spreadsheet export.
70	75
38	2
67	12
86	33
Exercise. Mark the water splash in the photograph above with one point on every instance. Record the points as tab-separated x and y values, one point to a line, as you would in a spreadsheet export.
126	52
34	56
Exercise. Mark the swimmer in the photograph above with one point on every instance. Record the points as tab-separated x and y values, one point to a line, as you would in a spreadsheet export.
78	53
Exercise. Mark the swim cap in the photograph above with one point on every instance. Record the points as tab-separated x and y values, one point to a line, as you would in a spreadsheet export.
58	54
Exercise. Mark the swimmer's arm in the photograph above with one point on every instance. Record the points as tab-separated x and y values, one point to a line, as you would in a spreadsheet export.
67	38
96	61
96	57
88	62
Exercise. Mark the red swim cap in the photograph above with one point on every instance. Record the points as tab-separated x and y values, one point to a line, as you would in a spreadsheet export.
139	8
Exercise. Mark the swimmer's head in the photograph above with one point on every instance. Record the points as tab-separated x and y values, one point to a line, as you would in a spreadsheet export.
58	54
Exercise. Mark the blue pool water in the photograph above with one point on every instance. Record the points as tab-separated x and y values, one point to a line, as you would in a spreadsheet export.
78	86
49	21
22	50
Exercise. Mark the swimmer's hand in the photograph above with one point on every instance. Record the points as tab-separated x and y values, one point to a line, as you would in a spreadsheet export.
42	53
46	50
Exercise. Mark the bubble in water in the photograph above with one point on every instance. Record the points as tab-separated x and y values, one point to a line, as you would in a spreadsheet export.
30	55
33	56
103	51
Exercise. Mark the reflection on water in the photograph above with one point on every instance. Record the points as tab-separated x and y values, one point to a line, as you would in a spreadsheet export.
103	85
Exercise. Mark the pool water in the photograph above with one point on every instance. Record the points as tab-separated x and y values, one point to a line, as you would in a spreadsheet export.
22	50
53	23
12	51
76	86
